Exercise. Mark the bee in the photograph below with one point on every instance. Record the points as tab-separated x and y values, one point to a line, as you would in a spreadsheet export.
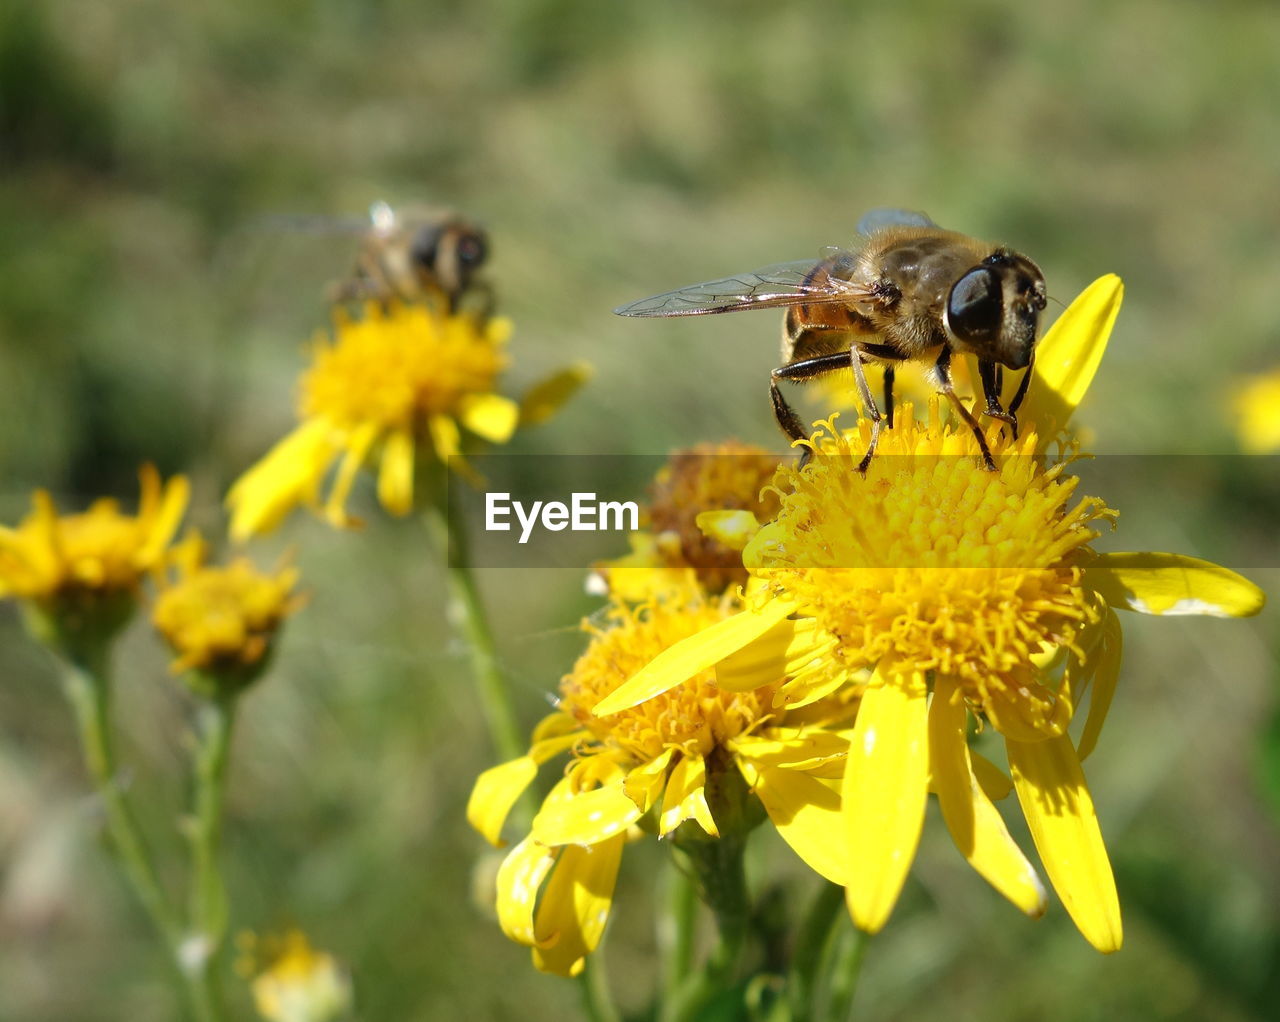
909	292
419	254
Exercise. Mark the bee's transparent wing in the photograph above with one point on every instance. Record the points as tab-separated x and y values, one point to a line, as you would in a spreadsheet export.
878	219
805	282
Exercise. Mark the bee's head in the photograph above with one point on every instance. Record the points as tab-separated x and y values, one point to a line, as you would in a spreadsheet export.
993	311
447	253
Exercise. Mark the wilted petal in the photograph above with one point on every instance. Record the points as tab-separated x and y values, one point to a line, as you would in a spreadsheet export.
686	797
519	878
644	783
1059	810
575	906
886	784
1172	584
806	813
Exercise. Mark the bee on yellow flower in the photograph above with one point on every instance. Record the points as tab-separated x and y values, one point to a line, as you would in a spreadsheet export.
81	571
221	622
696	756
969	594
400	382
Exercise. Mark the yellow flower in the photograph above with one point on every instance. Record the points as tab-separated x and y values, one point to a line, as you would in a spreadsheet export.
725	476
75	569
400	378
293	981
221	621
967	592
1257	406
690	754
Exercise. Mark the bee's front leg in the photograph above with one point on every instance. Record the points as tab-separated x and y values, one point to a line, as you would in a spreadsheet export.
992	377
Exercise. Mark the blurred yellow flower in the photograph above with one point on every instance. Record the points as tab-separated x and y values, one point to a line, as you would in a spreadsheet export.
399	378
1257	406
691	754
293	982
71	565
966	592
221	621
724	476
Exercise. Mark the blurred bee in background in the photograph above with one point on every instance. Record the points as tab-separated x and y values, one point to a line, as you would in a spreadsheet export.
910	292
419	254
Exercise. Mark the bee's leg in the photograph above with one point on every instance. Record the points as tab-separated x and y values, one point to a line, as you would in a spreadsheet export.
888	396
1023	384
991	376
873	413
805	369
942	369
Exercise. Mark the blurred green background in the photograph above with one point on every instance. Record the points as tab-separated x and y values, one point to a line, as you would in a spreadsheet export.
152	306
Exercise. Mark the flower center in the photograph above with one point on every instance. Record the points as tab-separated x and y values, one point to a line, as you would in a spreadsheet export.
695	717
931	563
397	366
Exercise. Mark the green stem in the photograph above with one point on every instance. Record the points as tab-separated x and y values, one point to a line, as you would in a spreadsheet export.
722	883
87	683
812	946
208	897
597	1002
468	611
844	974
676	930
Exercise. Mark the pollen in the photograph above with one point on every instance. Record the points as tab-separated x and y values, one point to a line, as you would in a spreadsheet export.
931	563
695	717
727	476
397	365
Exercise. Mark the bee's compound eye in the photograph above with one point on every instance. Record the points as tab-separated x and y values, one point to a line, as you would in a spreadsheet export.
975	307
426	246
472	248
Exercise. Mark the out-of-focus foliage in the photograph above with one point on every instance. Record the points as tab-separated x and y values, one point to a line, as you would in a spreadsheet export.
157	284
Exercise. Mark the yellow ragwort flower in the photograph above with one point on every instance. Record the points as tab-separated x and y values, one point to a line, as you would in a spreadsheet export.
293	982
967	592
221	621
399	380
682	756
75	567
1256	403
726	476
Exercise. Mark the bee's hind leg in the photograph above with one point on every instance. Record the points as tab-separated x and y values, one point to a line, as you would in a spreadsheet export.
808	369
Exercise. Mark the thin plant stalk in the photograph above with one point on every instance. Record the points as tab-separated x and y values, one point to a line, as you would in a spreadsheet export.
467	611
813	946
676	929
597	1001
87	683
845	971
208	898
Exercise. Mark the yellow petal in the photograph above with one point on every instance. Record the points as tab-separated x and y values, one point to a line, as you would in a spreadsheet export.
445	437
995	783
575	906
973	820
786	649
585	818
733	529
677	664
686	797
490	416
173	504
290	474
519	878
1068	356
886	784
548	396
495	792
1059	810
395	473
1172	584
359	442
804	749
1108	655
500	787
644	784
806	813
